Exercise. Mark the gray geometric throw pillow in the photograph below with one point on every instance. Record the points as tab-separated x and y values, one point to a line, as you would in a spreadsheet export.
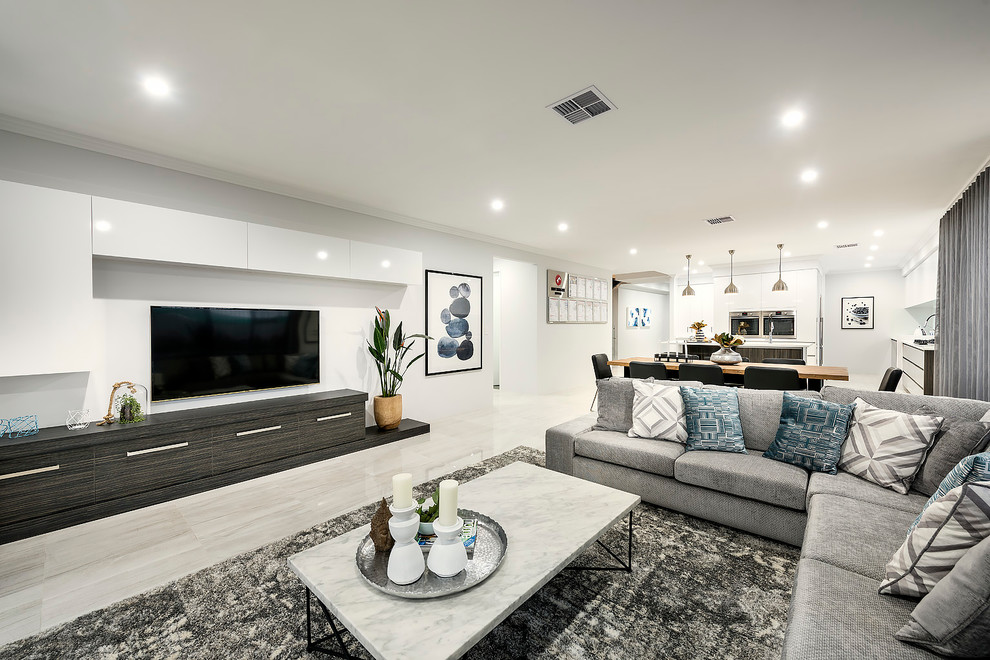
658	412
956	522
887	447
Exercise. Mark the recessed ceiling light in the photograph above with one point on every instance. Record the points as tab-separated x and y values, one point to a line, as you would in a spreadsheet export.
156	86
878	233
386	263
792	118
787	253
809	175
562	226
497	205
701	263
322	254
874	248
822	224
867	265
684	268
869	257
632	250
102	225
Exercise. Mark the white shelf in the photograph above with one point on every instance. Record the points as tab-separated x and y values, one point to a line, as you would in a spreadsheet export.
286	251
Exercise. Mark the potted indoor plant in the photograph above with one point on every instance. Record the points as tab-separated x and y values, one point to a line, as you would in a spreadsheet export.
699	330
726	355
389	354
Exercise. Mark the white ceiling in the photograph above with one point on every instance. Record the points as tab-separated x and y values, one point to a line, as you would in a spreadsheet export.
430	109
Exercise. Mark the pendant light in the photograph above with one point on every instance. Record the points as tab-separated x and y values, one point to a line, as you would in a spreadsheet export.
780	284
688	291
732	288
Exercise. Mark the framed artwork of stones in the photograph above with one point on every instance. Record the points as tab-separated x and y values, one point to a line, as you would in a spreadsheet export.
453	319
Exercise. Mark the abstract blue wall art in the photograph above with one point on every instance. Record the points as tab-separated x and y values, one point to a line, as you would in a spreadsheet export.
638	317
453	319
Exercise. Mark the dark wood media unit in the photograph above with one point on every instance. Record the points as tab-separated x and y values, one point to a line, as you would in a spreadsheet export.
58	478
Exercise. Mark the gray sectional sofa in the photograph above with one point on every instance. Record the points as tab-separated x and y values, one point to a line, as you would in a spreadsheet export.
847	528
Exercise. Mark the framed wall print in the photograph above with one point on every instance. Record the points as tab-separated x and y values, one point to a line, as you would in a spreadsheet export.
453	319
857	313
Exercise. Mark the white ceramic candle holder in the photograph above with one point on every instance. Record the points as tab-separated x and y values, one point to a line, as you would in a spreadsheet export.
447	556
405	562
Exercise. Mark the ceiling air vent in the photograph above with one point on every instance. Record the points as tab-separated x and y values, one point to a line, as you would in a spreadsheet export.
719	221
583	105
847	245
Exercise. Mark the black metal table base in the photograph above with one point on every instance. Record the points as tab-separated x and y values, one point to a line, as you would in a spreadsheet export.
623	565
317	644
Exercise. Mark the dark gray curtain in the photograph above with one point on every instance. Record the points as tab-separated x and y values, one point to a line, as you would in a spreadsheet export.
962	358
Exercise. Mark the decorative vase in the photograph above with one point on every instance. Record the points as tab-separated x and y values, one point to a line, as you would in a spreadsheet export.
388	411
426	528
726	355
699	335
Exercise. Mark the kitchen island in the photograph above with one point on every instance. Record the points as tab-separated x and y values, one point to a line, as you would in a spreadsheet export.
756	350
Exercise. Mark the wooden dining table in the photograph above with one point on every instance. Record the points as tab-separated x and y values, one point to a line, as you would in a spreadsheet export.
813	372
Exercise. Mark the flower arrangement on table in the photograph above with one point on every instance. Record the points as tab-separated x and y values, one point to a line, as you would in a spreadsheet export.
725	340
699	330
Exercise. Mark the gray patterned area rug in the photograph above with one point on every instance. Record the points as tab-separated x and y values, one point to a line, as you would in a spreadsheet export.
699	590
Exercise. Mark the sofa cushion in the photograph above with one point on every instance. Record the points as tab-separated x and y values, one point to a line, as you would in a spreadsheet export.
887	447
955	440
658	412
955	523
969	469
853	487
954	618
855	535
712	420
615	403
810	434
653	456
836	613
745	475
944	406
759	412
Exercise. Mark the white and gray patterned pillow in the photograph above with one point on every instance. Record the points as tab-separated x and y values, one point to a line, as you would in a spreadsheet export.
658	412
955	523
887	447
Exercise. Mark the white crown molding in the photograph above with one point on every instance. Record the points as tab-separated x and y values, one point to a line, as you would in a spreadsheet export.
98	145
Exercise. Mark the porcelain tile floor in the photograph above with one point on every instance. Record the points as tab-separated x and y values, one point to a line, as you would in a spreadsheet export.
56	577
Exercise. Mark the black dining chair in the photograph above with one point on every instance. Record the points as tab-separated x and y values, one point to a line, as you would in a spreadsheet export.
602	371
709	374
771	378
891	378
783	361
646	369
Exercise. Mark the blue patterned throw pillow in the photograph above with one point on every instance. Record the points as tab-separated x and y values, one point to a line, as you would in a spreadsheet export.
712	420
811	433
975	467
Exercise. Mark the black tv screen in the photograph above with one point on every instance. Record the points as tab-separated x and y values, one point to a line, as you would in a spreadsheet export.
201	351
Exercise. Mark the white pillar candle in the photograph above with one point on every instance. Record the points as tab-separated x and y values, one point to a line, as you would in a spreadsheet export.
402	491
448	502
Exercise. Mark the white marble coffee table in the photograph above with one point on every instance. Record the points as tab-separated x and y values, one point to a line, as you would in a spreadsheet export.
549	518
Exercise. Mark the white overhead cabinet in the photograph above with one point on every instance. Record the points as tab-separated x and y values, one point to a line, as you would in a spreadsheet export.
301	253
921	284
379	263
47	273
138	231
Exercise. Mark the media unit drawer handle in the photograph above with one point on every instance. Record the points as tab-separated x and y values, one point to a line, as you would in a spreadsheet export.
253	431
25	473
154	449
323	419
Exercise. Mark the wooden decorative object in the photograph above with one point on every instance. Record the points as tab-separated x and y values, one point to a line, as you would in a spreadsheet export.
109	417
380	534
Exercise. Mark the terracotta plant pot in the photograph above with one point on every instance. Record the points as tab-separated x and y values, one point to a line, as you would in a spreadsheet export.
388	411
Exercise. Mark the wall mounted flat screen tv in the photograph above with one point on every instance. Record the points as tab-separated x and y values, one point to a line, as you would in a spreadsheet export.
203	351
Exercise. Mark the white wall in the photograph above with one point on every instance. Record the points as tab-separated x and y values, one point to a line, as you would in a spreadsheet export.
496	327
124	291
518	357
642	342
864	352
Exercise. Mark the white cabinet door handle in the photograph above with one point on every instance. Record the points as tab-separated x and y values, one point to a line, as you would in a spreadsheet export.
27	472
323	419
253	431
154	449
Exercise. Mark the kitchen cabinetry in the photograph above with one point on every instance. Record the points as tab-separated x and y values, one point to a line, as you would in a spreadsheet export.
755	293
918	365
47	276
688	309
921	284
60	478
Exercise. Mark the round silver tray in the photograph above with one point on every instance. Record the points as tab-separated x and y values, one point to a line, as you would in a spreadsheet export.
489	550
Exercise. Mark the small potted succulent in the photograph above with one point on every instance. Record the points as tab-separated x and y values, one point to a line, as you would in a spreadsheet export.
726	355
429	511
